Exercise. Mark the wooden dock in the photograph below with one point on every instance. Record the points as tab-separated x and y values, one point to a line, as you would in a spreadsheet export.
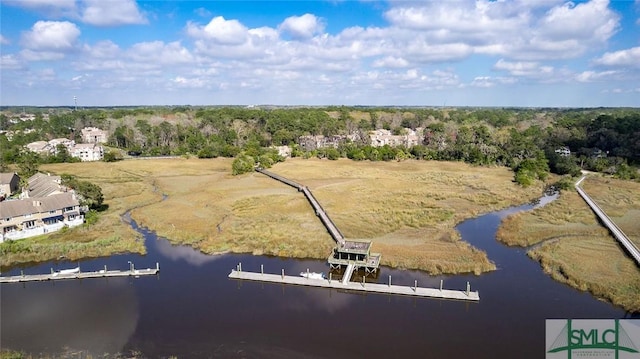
414	291
132	272
320	212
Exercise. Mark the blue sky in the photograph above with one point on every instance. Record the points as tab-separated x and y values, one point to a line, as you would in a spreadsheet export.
533	53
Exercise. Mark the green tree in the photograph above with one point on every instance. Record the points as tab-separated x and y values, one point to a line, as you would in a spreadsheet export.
90	194
28	163
242	164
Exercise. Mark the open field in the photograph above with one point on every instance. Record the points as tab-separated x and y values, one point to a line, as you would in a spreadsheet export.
575	249
408	209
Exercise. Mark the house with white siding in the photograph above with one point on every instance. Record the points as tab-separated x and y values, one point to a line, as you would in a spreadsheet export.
36	216
94	135
87	152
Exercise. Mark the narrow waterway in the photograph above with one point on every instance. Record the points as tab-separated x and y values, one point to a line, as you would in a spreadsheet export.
193	310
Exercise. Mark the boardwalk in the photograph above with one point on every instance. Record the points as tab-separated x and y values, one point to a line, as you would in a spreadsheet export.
613	228
320	212
414	291
132	272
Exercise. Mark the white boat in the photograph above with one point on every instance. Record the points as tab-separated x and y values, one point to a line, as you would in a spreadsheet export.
70	271
312	275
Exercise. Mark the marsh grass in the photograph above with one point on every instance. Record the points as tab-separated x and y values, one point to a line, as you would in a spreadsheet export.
408	209
574	248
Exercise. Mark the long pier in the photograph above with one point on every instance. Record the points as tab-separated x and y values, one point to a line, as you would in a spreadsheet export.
617	233
415	291
132	272
320	212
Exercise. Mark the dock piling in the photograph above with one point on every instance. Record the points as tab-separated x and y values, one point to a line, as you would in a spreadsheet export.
105	268
468	288
21	272
262	269
330	277
441	285
282	273
415	286
389	280
363	281
307	273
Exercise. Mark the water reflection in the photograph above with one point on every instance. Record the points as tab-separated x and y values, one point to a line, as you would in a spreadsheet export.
178	253
97	316
193	310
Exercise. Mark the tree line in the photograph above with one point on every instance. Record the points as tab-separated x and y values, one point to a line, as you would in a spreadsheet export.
530	141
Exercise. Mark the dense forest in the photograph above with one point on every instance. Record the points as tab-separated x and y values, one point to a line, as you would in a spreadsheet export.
527	140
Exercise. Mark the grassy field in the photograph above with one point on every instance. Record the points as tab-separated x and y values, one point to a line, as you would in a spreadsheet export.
575	249
408	209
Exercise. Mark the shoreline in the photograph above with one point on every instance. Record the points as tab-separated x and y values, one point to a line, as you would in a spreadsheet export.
413	225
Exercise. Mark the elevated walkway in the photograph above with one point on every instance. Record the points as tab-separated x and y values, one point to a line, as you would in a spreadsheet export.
348	273
617	233
320	212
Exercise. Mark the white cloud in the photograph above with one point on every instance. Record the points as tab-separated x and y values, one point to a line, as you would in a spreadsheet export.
112	13
103	50
514	29
591	21
4	40
194	82
202	12
54	36
482	81
30	55
592	76
391	61
623	58
10	62
302	27
458	17
157	52
522	68
220	31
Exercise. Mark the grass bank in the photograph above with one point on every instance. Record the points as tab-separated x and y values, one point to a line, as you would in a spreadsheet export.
408	209
575	249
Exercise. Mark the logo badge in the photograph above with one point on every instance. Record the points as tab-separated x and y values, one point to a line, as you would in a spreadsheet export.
592	338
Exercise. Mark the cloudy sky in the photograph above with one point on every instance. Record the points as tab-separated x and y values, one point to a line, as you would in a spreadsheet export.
339	52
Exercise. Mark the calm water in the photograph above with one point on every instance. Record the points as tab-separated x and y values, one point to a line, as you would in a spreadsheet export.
192	310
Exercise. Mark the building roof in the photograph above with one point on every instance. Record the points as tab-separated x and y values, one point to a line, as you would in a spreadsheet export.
42	185
11	209
38	146
6	177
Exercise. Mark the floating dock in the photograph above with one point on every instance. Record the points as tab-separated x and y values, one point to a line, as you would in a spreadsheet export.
132	272
414	291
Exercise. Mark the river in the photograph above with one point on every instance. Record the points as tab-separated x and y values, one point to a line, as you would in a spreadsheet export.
192	310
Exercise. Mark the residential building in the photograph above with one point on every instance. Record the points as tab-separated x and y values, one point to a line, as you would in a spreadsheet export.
36	216
94	135
40	147
384	137
9	183
283	151
69	144
563	151
87	152
310	143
